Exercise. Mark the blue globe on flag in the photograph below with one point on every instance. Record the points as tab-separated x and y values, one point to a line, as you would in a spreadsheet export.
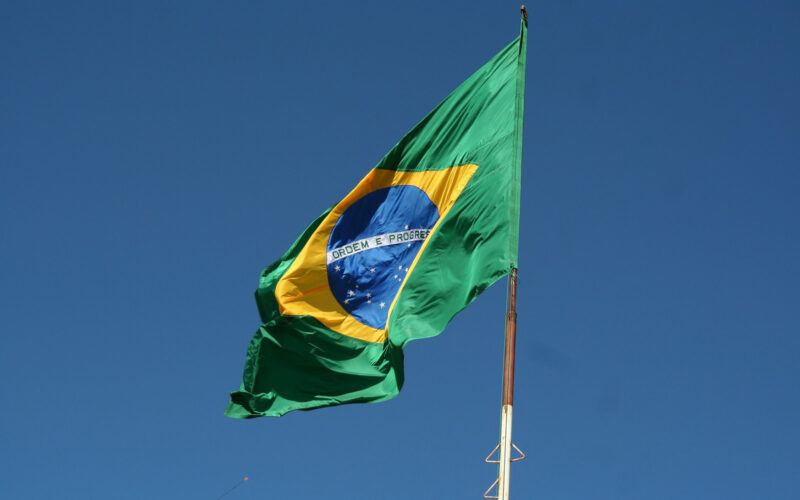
372	247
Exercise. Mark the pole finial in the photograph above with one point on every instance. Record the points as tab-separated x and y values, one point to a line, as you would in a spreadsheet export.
524	13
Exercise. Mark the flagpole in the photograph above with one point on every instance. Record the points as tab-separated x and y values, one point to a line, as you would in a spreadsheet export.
506	445
508	387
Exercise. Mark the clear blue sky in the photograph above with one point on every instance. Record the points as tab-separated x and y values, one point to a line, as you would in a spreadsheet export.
154	157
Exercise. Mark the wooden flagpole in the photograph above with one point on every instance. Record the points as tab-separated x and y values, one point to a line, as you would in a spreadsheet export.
508	387
506	446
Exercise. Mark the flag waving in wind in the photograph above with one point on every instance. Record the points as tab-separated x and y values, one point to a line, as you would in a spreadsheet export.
428	229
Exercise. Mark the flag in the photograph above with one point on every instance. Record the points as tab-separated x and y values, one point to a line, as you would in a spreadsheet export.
424	232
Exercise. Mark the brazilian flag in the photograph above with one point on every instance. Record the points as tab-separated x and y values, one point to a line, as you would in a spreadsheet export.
424	232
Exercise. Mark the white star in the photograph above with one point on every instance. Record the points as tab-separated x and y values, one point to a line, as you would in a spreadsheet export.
383	304
356	286
406	226
346	301
400	267
351	293
409	244
369	295
372	269
338	268
369	302
395	276
405	270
